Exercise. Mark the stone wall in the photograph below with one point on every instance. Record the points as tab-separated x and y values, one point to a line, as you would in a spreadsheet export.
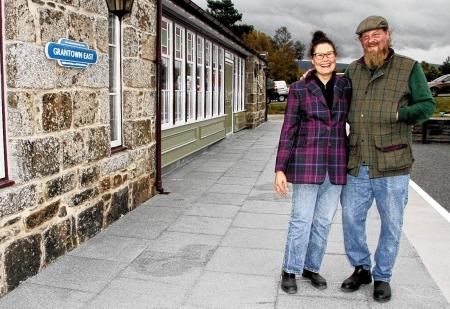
68	185
255	89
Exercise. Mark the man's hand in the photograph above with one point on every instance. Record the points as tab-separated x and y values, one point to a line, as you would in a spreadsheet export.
280	185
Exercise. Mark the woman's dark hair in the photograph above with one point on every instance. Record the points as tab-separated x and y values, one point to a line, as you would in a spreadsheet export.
319	37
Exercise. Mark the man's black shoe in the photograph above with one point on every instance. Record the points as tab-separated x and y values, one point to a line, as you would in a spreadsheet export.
316	280
288	283
381	291
360	276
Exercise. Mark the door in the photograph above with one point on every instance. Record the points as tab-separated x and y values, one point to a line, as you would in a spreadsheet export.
228	97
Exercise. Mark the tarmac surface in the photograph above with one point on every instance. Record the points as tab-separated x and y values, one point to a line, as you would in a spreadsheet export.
217	241
431	170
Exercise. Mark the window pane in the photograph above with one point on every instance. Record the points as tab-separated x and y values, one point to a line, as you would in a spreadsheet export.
165	90
178	91
200	79
115	80
190	91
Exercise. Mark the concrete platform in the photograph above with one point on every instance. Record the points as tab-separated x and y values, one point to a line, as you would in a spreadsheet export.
217	241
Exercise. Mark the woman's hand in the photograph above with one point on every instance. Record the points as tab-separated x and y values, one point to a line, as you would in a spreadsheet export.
280	185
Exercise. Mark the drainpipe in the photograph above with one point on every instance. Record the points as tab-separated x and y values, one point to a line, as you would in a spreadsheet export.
158	154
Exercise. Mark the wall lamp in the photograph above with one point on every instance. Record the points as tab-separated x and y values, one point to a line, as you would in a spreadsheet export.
120	7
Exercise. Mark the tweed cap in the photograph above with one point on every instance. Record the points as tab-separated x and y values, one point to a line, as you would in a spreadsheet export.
371	23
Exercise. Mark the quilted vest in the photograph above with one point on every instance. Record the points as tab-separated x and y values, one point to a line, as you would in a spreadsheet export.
376	138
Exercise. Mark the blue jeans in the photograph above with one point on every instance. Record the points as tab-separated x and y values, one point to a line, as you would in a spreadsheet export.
391	197
313	210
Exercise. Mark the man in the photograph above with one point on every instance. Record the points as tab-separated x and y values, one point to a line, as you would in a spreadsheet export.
390	94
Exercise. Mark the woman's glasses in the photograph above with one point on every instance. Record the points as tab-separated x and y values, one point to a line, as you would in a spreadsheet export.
329	54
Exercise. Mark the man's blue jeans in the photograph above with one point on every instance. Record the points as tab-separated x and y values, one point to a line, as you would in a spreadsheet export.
313	210
391	197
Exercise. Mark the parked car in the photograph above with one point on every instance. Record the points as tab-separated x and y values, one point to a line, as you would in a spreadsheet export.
277	90
440	85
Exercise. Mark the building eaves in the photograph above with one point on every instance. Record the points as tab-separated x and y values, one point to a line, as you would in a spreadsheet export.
193	9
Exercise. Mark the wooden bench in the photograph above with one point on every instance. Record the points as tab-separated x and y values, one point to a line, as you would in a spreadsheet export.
435	129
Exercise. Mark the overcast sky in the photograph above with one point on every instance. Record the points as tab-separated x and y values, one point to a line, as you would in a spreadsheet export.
421	28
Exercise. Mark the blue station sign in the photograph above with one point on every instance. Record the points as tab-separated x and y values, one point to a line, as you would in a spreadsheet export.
70	53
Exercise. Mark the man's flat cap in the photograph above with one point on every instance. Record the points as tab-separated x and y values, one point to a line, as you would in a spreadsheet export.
371	23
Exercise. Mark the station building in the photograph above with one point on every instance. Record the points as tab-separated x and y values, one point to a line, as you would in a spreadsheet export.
96	103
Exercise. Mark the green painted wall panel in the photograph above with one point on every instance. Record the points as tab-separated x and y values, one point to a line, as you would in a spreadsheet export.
240	122
182	141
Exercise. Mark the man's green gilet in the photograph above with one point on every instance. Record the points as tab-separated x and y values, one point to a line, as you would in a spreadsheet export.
376	138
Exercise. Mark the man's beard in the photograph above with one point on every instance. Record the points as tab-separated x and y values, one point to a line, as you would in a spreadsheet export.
375	59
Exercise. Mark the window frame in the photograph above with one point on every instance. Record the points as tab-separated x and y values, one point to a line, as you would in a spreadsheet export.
191	98
206	64
200	72
179	107
208	78
167	96
115	80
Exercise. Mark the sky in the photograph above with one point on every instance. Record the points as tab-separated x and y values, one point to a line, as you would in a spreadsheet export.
420	28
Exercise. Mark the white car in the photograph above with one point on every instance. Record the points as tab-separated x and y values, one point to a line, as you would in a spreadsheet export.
281	89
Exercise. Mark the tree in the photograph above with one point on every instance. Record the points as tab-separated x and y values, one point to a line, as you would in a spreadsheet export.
445	67
282	37
299	50
283	65
431	71
260	41
224	11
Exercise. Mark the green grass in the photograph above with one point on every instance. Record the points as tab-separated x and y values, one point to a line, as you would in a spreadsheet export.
442	105
276	108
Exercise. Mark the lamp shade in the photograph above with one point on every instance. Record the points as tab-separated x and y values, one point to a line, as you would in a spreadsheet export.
120	7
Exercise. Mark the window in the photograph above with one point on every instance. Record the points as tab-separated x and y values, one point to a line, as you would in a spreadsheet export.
235	84
221	82
208	79
115	81
200	79
166	73
190	76
179	78
238	84
242	83
215	81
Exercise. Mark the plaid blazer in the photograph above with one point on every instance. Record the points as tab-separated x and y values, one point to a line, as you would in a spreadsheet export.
313	138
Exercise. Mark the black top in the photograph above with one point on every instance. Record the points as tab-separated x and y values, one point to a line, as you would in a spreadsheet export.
327	89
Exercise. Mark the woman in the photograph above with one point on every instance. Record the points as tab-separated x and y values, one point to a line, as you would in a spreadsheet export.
312	156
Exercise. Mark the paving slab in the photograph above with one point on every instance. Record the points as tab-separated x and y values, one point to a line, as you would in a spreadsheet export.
213	210
246	261
36	296
262	221
234	291
79	273
138	294
255	238
111	247
267	207
203	225
222	198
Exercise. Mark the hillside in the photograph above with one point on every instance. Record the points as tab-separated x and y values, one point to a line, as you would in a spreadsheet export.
306	64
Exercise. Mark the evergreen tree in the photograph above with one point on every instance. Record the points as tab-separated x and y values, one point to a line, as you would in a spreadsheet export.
224	11
445	67
299	50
